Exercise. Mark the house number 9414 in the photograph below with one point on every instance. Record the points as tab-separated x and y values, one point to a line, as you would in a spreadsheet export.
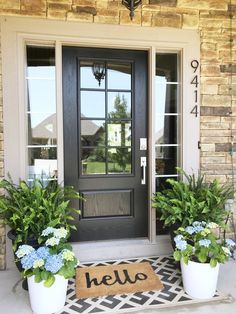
195	83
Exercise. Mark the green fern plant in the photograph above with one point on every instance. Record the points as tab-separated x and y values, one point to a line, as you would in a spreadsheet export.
192	200
28	209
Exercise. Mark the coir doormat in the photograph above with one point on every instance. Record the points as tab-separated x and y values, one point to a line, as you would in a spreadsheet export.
116	279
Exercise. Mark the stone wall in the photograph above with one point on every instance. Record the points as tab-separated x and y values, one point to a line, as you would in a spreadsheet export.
218	65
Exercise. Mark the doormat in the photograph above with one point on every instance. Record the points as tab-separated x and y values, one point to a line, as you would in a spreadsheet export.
116	279
170	297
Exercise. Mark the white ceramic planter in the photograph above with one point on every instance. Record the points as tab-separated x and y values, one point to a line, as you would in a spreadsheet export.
199	279
45	300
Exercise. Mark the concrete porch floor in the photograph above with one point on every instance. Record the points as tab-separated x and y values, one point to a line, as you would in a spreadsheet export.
14	300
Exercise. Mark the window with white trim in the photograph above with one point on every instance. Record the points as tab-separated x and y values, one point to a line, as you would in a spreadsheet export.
41	113
167	120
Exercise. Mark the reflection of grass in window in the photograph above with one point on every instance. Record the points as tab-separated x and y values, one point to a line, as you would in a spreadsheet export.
97	167
115	167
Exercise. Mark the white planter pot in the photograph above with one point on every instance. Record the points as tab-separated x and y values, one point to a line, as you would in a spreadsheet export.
45	300
199	279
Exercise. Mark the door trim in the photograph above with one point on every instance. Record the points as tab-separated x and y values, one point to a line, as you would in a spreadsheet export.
16	31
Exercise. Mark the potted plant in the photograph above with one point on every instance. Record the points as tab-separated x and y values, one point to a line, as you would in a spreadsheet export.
48	269
192	199
200	252
28	208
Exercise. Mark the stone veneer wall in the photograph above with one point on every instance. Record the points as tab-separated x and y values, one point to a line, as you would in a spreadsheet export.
210	17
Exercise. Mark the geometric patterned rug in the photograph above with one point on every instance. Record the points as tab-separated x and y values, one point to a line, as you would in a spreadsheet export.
172	294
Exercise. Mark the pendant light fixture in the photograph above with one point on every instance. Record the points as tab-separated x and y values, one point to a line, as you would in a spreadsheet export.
131	5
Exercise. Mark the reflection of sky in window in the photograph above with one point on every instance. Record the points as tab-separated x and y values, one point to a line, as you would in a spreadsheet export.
160	101
41	92
118	80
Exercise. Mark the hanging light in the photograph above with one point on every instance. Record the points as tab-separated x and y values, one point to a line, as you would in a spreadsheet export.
131	5
99	71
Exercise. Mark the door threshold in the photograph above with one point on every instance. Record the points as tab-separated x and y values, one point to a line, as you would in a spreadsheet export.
95	251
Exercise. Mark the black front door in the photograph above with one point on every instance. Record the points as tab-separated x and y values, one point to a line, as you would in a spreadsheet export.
105	129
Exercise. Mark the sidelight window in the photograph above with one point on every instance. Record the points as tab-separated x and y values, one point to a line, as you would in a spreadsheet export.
41	113
167	118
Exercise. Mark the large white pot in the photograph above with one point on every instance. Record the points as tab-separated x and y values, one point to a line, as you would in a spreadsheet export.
45	300
199	279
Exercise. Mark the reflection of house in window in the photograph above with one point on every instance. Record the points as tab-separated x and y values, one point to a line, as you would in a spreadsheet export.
43	152
92	133
44	133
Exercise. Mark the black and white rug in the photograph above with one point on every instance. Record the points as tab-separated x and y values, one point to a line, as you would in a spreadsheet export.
172	294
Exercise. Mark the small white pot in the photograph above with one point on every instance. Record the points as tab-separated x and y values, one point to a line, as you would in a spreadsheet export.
199	279
45	300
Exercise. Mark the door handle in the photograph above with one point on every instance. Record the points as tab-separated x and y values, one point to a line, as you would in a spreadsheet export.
143	169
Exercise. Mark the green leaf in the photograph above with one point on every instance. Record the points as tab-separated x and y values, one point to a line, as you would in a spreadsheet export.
37	278
213	262
45	275
185	259
50	281
177	255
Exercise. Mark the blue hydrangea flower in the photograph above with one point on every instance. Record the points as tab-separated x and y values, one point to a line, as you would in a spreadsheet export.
54	263
181	245
47	231
190	229
178	238
24	250
43	252
230	243
204	242
198	229
27	261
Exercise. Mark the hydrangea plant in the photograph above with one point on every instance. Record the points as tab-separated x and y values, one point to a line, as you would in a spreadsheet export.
53	257
199	243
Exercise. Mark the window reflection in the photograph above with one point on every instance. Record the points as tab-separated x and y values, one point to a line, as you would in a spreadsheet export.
41	112
166	160
93	161
92	104
119	134
92	132
42	129
166	98
166	67
166	130
119	105
119	75
87	79
119	160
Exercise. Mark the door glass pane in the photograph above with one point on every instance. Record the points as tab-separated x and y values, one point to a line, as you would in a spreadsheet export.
119	105
106	119
119	160
92	132
119	75
106	203
166	98
119	133
166	130
42	129
92	104
87	78
93	161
